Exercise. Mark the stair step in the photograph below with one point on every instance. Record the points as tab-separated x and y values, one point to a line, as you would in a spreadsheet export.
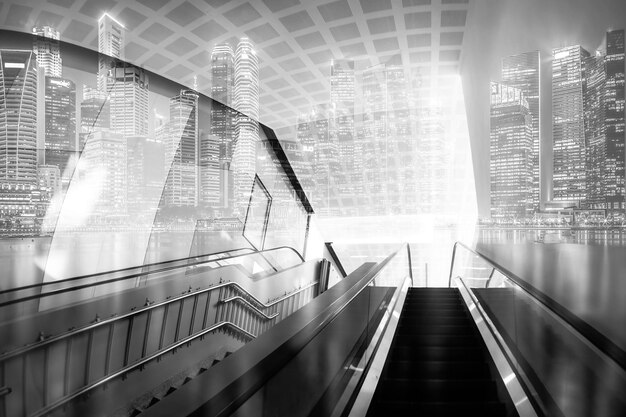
466	390
170	390
153	401
438	370
439	409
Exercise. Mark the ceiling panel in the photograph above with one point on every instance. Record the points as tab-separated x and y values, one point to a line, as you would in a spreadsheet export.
294	39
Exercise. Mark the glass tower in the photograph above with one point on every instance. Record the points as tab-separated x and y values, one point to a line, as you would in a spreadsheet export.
511	150
523	71
568	131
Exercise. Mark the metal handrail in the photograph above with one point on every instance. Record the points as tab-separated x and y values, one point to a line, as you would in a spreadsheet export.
43	284
136	275
600	341
278	300
139	364
249	304
103	322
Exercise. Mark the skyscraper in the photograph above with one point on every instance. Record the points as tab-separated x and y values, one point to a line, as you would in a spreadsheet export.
104	160
511	145
568	132
60	125
46	48
523	71
594	100
129	100
341	120
222	118
615	122
209	170
181	151
246	102
18	105
95	114
110	45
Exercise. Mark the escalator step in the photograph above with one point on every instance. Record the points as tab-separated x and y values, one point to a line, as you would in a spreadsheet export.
424	329
439	409
447	340
436	353
436	320
438	370
449	390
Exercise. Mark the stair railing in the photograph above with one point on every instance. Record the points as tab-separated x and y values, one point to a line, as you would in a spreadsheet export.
191	262
131	340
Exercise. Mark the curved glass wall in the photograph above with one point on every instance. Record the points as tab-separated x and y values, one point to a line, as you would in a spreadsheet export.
107	165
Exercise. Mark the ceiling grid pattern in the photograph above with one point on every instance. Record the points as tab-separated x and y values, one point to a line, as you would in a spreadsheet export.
295	39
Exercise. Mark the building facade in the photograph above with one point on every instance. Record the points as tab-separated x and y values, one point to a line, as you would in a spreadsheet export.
511	150
523	71
568	129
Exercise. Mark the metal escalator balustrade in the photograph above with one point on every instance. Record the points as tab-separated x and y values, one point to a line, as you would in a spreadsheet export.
91	356
564	365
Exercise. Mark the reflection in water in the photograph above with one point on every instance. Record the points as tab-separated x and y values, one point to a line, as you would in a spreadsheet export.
616	237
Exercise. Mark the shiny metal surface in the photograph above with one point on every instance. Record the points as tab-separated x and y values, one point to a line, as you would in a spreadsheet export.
387	330
495	345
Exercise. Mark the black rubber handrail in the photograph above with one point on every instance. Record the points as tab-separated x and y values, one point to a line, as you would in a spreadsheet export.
599	340
135	275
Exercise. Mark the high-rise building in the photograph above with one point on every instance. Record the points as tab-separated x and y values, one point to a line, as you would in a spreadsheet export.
222	117
104	161
568	131
60	125
18	107
523	71
209	170
594	99
341	120
511	144
246	102
95	114
615	122
181	147
129	100
374	136
110	46
49	178
47	49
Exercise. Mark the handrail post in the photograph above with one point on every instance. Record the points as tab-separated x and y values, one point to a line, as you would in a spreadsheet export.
452	264
408	251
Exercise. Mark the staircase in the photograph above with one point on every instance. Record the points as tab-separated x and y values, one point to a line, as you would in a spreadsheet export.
438	363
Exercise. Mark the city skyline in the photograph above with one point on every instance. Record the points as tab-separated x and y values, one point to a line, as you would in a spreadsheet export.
587	128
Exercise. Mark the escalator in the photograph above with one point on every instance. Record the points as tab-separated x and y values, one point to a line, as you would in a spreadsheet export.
438	364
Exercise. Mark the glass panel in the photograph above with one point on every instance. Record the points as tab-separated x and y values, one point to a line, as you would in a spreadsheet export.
567	374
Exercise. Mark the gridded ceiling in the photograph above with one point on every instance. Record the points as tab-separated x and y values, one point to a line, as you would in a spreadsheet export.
295	39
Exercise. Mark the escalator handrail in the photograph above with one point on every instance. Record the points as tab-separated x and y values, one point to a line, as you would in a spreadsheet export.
600	341
229	392
105	322
131	276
